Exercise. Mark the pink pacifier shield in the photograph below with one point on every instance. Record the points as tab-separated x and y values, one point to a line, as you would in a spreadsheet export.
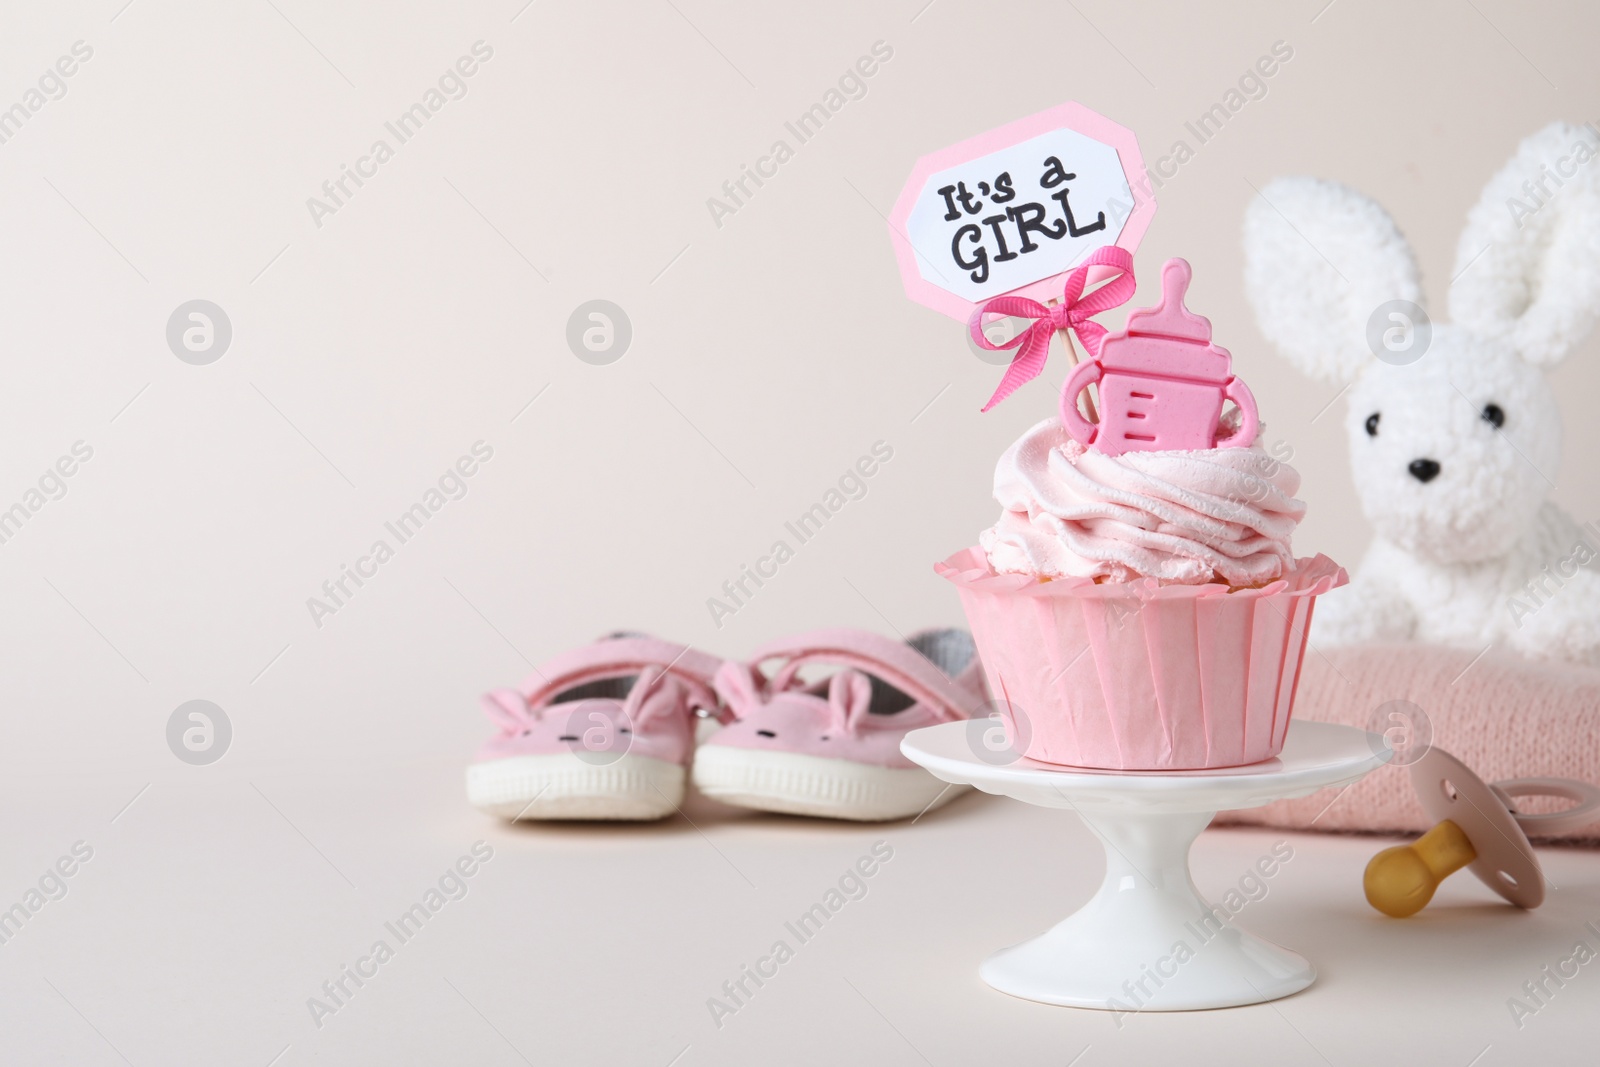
1162	382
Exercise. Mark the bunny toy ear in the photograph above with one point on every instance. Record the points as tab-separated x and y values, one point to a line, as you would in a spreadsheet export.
1320	258
1528	266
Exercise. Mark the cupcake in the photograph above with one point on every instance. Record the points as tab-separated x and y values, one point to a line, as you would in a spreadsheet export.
1138	606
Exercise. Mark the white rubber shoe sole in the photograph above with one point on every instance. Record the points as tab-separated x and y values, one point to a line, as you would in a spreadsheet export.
814	785
562	786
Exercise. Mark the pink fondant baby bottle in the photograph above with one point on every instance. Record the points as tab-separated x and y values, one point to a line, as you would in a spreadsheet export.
1162	382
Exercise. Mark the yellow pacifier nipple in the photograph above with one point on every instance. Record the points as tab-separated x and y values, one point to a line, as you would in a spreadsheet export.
1400	880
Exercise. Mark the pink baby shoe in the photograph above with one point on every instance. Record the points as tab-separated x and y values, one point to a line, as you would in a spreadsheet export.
831	746
605	731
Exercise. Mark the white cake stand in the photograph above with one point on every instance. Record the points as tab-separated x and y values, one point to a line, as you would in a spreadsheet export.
1120	951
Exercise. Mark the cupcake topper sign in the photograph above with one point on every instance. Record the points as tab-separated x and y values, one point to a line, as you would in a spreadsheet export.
1013	210
1162	382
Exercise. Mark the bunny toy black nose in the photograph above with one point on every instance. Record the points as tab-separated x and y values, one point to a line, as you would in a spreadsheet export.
1424	470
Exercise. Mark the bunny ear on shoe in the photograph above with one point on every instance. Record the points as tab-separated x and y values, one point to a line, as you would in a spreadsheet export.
1320	259
740	686
1527	268
849	698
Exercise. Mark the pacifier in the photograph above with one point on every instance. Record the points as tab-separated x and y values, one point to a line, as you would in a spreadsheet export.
1478	827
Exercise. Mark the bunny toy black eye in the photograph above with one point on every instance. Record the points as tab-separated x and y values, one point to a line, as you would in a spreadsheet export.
1372	424
1493	415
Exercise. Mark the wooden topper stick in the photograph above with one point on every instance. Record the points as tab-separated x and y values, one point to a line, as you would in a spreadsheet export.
1086	402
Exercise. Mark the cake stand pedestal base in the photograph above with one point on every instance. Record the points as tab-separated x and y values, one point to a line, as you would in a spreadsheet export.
1147	940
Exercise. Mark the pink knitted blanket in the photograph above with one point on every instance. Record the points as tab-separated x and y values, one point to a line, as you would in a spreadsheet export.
1501	715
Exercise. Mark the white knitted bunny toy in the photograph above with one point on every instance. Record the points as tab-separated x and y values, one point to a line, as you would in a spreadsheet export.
1454	452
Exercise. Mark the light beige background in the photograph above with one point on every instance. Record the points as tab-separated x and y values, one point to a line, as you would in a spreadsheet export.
767	355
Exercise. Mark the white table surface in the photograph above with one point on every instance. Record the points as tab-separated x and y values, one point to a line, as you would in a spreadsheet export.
205	920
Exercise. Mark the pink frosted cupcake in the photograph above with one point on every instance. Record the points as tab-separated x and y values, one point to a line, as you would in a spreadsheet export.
1137	606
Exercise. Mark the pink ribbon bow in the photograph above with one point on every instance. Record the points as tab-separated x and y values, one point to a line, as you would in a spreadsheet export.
1073	313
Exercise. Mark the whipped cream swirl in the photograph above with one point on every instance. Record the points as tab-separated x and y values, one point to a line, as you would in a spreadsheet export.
1213	515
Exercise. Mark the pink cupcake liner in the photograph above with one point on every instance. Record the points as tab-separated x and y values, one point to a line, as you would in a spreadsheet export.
1141	675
